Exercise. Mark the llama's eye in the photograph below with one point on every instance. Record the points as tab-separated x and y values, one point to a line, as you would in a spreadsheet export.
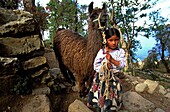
105	16
95	16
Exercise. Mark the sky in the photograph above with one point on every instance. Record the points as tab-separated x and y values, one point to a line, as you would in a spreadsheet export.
146	43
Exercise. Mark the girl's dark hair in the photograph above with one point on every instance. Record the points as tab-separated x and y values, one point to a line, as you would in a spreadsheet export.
112	31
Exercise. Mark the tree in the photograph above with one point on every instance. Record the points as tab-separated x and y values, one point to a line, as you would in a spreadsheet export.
125	14
39	13
151	62
10	4
66	14
29	5
40	17
161	32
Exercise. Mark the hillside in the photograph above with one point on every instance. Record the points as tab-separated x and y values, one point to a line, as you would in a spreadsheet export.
154	99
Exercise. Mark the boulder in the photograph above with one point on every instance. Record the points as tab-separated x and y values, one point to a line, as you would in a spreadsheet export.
131	102
78	106
11	46
15	22
162	90
21	50
34	62
41	90
6	84
9	66
37	103
152	85
141	87
158	110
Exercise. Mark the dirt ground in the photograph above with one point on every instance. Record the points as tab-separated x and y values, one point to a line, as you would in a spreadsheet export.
69	97
62	100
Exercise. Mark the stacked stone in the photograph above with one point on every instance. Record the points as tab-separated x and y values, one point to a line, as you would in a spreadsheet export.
21	50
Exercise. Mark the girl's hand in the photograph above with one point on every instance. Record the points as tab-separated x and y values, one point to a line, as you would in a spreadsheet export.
109	65
108	57
112	60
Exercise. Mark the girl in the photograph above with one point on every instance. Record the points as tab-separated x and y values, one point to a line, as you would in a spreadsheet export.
106	91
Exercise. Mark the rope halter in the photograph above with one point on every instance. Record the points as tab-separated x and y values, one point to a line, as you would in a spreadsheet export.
104	39
101	28
98	20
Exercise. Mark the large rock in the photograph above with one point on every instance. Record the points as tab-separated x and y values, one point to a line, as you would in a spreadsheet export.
78	106
10	46
6	83
141	87
167	95
152	85
37	73
37	103
162	90
8	66
41	90
131	102
15	22
13	15
8	71
21	50
34	62
158	110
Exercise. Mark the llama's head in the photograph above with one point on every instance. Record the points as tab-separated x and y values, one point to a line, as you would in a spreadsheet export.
98	16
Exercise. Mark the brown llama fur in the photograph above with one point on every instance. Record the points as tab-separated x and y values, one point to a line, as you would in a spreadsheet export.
76	53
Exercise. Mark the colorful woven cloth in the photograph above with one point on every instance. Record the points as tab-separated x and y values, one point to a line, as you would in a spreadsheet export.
106	91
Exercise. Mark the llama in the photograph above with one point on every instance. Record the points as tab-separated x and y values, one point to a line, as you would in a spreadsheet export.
75	53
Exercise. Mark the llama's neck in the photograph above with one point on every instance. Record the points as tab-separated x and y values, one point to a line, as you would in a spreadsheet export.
94	38
94	42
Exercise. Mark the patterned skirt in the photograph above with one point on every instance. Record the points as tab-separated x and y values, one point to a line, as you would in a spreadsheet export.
106	93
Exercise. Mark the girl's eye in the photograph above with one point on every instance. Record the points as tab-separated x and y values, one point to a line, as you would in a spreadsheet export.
114	40
110	39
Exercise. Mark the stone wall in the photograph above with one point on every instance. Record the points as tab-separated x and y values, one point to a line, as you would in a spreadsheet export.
21	50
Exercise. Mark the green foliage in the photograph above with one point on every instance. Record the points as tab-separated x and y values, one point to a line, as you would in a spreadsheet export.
41	16
22	86
161	32
10	4
48	43
67	14
56	88
126	14
151	62
134	47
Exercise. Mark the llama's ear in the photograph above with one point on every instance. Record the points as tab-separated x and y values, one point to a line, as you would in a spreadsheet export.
91	7
104	6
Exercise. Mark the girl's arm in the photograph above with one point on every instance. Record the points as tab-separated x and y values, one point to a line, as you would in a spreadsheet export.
111	60
98	60
119	63
122	58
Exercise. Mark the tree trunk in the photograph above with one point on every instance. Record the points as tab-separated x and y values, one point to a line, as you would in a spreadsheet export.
163	56
127	62
124	46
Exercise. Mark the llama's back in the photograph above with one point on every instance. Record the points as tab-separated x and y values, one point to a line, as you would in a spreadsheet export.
70	48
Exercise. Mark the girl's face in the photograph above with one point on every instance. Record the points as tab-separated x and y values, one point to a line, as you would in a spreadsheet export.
113	42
